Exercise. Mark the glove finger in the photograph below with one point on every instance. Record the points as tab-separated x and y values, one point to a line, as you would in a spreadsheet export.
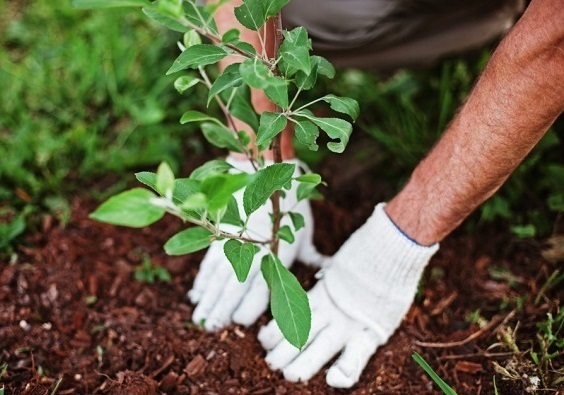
324	347
234	291
211	294
269	335
346	371
208	267
284	353
254	304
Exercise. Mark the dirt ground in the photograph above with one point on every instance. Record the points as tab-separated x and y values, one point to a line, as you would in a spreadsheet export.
74	321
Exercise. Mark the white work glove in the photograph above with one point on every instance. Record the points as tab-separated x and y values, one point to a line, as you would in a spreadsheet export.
221	299
364	293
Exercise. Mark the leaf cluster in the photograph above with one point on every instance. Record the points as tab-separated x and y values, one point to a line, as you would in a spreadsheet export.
206	198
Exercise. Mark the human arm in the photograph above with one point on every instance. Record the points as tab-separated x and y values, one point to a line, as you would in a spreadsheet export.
518	96
371	281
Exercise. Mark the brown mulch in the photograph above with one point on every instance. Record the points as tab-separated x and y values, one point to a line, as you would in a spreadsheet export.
74	321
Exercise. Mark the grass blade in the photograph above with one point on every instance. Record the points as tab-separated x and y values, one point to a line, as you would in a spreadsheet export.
439	381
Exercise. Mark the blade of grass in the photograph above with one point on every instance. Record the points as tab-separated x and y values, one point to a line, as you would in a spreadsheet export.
439	381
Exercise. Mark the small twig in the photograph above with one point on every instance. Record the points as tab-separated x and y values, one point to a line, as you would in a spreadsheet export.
166	364
476	355
495	322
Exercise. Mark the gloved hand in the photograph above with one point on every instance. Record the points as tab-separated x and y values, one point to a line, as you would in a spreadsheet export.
364	293
221	299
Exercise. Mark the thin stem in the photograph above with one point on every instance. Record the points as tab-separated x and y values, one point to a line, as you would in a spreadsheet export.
262	39
171	208
276	149
307	104
294	99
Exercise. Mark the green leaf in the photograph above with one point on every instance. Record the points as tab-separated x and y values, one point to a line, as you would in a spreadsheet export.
198	55
288	301
155	13
344	105
232	215
182	84
295	38
556	202
212	7
220	188
271	123
196	116
194	202
324	67
295	59
221	137
264	183
308	191
278	94
183	188
109	3
199	16
231	36
191	38
225	81
273	7
241	256
307	134
285	233
524	231
147	178
212	167
310	178
11	230
257	75
297	220
171	7
242	108
244	137
132	208
246	47
439	381
188	241
165	180
304	81
336	129
251	14
319	65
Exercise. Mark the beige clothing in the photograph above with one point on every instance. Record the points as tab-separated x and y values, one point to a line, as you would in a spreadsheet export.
387	34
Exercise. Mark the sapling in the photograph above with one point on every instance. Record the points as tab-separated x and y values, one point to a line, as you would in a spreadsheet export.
205	198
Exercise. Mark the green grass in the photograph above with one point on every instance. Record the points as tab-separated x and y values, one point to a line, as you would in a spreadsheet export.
84	94
436	378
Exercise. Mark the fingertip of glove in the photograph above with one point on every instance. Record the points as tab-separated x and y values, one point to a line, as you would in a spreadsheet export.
338	379
193	296
269	336
293	375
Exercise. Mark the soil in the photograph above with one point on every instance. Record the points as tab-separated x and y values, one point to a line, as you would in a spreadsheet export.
73	320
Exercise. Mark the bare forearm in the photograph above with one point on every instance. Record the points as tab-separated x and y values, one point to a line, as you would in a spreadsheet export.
519	95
